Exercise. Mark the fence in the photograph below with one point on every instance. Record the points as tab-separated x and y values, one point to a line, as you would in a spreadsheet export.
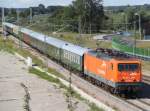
140	52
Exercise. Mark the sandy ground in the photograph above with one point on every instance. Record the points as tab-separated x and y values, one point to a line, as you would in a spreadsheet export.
16	84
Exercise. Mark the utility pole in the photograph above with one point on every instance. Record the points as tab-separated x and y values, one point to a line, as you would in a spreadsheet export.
79	31
139	25
30	15
79	27
3	28
3	19
126	17
3	14
19	28
134	48
90	20
125	21
45	51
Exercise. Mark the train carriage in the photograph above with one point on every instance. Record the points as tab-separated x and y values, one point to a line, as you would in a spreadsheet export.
32	38
72	55
54	48
8	27
45	44
25	34
11	28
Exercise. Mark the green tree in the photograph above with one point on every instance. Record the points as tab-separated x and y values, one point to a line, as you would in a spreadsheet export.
90	12
130	13
41	9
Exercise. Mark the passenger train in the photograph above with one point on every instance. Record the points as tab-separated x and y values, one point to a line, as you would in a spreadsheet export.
103	66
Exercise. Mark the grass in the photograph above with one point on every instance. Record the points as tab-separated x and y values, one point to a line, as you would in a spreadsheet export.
93	107
145	65
143	45
7	45
56	73
35	59
43	75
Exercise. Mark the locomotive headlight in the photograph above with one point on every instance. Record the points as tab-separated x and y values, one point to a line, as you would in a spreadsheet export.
122	80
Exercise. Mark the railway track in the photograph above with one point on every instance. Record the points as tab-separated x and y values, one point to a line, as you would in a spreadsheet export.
141	105
146	79
97	92
145	102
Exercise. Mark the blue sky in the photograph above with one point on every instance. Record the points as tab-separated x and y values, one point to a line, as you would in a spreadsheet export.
28	3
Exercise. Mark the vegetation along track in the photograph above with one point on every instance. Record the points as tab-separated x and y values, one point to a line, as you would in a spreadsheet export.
100	94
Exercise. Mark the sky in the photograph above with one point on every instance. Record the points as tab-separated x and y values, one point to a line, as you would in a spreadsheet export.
28	3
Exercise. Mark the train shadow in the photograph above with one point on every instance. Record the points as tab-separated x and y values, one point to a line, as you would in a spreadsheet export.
144	92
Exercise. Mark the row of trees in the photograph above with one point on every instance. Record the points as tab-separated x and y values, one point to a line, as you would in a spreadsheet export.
87	16
129	16
84	15
90	16
11	13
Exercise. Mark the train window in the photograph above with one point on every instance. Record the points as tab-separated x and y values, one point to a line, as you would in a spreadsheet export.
76	59
57	52
65	54
69	56
133	67
79	60
128	67
73	58
120	67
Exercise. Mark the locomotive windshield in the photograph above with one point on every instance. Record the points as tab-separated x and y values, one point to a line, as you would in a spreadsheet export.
128	67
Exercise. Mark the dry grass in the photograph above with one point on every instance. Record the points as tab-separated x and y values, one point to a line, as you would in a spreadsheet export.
144	45
146	65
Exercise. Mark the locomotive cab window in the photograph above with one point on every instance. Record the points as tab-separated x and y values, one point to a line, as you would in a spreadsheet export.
128	67
134	67
120	67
